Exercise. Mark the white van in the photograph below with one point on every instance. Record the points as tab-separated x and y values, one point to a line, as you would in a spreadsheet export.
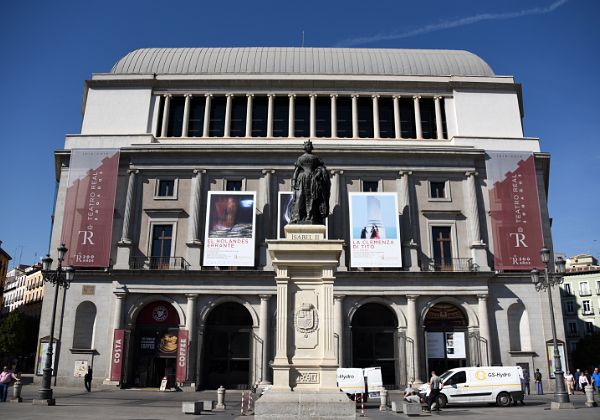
486	384
359	381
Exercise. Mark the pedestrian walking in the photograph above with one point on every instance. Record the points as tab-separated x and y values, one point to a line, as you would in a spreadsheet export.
583	381
596	380
526	379
570	382
576	375
537	376
87	379
435	386
6	377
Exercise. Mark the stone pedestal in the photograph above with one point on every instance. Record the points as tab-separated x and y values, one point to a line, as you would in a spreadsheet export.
304	368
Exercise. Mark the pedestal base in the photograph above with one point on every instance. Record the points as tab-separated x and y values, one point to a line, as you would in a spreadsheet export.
561	405
303	405
49	401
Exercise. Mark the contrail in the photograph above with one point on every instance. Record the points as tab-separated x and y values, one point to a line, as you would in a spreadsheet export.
469	20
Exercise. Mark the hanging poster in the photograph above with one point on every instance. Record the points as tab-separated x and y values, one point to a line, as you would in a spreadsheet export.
81	368
43	356
455	345
182	356
550	355
89	207
515	210
230	229
435	345
374	230
116	361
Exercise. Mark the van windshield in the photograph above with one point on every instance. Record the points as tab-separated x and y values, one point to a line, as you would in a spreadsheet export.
446	374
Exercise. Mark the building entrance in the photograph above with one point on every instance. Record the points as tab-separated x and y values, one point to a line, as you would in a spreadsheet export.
227	347
373	332
446	337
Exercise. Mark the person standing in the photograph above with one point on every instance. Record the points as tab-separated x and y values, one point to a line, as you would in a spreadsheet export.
87	379
6	377
570	382
583	381
576	377
596	380
435	386
538	382
526	380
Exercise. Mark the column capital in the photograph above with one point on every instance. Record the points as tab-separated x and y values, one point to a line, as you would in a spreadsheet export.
396	96
208	95
133	171
264	297
197	171
333	95
188	95
482	296
339	298
267	171
405	173
191	296
120	295
167	95
271	95
354	96
417	97
375	96
471	173
412	298
229	95
438	97
312	95
336	171
291	95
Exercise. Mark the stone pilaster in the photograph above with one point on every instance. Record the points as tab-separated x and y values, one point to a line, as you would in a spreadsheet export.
125	244
194	243
263	333
418	125
410	247
478	246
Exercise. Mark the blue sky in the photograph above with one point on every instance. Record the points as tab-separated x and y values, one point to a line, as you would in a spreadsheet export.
50	48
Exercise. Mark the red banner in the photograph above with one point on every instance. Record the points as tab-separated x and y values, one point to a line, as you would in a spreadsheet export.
89	206
116	361
515	210
182	356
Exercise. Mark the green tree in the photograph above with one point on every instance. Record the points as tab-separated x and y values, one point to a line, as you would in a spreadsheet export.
587	354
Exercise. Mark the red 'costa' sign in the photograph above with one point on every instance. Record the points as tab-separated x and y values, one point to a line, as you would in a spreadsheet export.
182	356
116	361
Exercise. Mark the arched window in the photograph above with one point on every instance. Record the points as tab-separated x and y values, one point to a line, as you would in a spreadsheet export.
85	322
518	328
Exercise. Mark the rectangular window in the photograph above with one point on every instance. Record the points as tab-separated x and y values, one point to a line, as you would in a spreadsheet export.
165	188
598	287
437	189
281	114
344	117
572	328
586	307
233	185
442	248
238	116
365	117
386	118
323	115
260	105
589	328
370	186
160	253
302	116
569	308
428	125
196	121
175	123
407	118
217	116
584	288
567	289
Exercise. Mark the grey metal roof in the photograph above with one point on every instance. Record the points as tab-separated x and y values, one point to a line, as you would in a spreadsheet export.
315	61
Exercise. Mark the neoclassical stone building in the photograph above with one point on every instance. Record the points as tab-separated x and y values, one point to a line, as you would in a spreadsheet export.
190	124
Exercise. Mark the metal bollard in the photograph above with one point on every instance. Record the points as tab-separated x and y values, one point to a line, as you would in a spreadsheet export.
589	396
383	400
220	399
17	387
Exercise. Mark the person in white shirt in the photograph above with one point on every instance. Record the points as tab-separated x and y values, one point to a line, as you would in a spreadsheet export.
570	382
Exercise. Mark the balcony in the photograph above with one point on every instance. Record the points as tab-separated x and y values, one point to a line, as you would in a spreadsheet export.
585	293
159	263
451	264
589	312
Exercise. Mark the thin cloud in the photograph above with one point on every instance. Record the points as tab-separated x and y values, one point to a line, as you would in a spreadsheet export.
469	20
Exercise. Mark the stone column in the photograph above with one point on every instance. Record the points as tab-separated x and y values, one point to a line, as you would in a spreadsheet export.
270	116
313	116
190	326
336	226
125	244
408	233
199	350
291	116
438	117
484	328
119	309
249	116
227	127
280	362
165	120
206	126
339	327
397	126
264	205
355	116
478	247
263	333
418	117
412	332
376	116
194	243
186	116
333	116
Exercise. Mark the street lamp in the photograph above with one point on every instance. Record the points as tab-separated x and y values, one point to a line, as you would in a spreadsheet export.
561	397
62	276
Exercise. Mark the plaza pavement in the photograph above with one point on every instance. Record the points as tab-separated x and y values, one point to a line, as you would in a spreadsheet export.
113	403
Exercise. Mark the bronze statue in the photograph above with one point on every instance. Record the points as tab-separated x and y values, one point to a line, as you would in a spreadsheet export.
311	186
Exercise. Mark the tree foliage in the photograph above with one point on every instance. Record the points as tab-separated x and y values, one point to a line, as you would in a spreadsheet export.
16	334
587	354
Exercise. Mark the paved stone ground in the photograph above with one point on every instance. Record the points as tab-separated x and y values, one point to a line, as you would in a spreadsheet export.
112	403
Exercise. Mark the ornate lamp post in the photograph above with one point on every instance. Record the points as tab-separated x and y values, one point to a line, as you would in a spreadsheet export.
561	397
62	276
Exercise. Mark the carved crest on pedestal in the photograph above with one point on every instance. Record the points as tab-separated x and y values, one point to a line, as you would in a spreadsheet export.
307	319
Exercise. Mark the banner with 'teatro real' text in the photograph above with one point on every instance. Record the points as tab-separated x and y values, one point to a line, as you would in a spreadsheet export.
89	206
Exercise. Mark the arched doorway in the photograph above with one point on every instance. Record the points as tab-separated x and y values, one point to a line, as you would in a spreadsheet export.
446	337
373	331
227	347
155	345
